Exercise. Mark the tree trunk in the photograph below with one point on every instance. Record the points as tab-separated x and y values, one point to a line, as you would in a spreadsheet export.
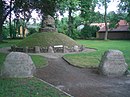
1	15
1	30
105	19
10	29
70	23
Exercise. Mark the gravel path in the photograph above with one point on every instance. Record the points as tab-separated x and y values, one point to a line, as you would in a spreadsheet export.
83	82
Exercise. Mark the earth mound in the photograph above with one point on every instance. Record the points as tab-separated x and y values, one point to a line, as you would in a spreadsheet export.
47	39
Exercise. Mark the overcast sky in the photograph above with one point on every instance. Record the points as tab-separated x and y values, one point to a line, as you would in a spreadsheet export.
112	6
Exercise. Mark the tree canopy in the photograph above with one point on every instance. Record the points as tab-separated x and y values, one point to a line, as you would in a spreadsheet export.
86	9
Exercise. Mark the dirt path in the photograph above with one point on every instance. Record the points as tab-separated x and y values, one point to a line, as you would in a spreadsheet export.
83	82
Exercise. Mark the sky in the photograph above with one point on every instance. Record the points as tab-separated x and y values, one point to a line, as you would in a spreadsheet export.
112	6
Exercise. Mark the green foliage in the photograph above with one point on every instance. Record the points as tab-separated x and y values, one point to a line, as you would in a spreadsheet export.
124	6
114	18
5	33
62	26
27	87
88	32
2	59
32	31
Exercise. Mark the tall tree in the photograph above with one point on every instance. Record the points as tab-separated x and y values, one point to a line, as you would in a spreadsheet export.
46	7
124	6
4	12
105	4
69	6
23	10
10	16
87	10
114	18
105	19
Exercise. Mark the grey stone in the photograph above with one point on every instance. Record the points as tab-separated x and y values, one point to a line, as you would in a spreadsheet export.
13	48
50	49
37	49
48	25
19	65
66	49
49	22
113	63
76	48
82	48
26	49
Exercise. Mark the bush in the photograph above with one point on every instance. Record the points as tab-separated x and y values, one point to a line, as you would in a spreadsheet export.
32	30
88	32
5	33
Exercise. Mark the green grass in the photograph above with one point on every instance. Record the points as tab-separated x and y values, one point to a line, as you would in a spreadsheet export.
27	87
2	59
47	39
93	59
39	61
9	42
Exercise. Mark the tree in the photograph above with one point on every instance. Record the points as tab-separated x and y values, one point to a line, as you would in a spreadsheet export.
105	4
23	10
124	6
71	6
87	10
114	18
46	7
4	12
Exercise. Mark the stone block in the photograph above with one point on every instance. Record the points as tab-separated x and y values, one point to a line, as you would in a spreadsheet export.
113	63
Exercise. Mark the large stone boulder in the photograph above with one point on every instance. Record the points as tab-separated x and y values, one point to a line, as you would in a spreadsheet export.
48	24
113	63
19	65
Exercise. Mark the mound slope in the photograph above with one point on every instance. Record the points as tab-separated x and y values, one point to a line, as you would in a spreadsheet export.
47	39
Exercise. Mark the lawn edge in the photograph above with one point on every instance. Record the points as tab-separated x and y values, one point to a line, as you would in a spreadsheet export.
78	66
55	87
72	64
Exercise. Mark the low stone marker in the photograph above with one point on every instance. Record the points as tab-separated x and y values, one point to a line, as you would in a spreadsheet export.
37	49
18	65
66	49
50	49
113	63
76	48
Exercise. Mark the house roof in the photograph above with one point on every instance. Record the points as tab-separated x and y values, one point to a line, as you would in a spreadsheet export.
122	25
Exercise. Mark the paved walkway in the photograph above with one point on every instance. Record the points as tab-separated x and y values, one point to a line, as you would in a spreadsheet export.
81	82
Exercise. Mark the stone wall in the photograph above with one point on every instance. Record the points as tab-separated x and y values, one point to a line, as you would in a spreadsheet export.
54	49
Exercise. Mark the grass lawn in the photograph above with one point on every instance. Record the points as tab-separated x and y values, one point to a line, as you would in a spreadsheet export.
2	59
92	59
38	60
9	42
27	87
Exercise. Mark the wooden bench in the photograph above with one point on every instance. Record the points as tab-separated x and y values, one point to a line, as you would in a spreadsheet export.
58	48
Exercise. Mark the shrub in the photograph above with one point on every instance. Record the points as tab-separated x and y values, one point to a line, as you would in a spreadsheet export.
32	30
88	32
